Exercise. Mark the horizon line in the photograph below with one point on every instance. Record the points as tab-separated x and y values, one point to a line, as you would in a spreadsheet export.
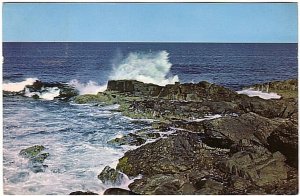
150	42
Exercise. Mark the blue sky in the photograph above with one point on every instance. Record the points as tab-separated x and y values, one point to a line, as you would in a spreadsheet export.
182	22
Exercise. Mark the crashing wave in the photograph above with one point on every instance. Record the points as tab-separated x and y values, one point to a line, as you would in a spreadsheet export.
18	86
145	67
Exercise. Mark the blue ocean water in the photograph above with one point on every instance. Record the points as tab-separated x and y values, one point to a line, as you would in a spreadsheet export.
76	135
231	65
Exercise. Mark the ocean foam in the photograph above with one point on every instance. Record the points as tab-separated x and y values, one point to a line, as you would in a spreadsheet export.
17	86
48	93
207	118
89	88
251	93
145	67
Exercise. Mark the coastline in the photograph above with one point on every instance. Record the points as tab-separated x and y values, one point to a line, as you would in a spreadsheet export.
247	129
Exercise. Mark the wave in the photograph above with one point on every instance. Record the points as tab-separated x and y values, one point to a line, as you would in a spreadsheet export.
17	86
251	93
145	67
89	88
48	93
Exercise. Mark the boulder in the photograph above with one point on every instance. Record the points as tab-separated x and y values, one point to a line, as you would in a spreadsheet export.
36	158
118	191
130	139
32	151
157	185
260	167
285	140
110	176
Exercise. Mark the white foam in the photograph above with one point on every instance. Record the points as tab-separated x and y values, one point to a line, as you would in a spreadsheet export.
17	86
207	118
48	93
89	88
145	67
264	95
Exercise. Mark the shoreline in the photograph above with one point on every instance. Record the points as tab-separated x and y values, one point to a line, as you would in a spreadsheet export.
167	173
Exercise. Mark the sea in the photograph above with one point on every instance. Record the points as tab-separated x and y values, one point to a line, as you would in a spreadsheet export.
76	135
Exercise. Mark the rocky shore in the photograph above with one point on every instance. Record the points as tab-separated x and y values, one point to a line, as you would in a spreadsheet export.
205	138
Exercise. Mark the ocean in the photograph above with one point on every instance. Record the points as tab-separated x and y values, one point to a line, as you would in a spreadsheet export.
76	135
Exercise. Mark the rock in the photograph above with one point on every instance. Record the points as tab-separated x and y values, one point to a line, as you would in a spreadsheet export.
285	140
130	139
168	155
36	158
118	191
31	152
66	92
210	187
83	193
260	167
157	185
110	176
133	87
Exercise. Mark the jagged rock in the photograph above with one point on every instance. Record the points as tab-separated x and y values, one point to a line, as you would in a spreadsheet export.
118	191
260	167
285	139
133	87
171	155
110	176
210	187
130	139
32	151
66	91
36	158
157	185
83	193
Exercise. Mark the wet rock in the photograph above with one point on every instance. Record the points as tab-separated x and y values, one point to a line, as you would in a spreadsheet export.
66	92
260	167
118	191
110	176
210	187
31	152
286	88
83	193
130	139
157	185
36	158
169	155
285	140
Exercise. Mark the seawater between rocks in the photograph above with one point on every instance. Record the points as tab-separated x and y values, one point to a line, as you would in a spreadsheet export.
75	136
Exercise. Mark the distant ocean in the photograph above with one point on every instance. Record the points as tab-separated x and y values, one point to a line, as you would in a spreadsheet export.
76	135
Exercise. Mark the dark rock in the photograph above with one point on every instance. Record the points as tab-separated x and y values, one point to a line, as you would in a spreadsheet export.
118	191
83	193
110	176
130	139
168	155
157	185
36	158
31	152
285	140
260	167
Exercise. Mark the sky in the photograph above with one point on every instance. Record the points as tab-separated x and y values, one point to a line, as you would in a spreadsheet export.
159	22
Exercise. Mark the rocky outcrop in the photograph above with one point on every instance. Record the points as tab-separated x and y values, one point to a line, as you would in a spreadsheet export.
66	92
221	142
36	158
110	176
